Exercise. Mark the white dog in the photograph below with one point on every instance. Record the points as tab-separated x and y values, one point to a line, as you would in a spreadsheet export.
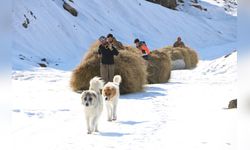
111	93
93	104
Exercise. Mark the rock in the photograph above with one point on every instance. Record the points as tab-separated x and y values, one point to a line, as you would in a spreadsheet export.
70	9
44	59
166	3
42	65
232	104
25	25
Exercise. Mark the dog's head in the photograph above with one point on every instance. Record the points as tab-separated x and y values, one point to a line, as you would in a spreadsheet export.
89	98
109	92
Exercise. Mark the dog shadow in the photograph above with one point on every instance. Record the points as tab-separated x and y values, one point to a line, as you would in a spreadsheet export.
147	94
113	134
132	122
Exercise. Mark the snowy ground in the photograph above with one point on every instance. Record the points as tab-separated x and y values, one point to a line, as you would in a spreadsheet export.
187	113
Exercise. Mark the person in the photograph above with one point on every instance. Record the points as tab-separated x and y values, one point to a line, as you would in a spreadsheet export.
179	43
107	52
141	45
112	40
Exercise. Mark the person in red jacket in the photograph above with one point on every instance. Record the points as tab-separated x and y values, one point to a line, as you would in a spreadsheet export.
141	45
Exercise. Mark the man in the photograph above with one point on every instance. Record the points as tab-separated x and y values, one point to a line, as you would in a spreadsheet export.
179	43
141	45
112	40
107	53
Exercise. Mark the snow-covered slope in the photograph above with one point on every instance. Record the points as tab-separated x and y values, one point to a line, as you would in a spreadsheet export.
62	39
187	113
214	70
230	6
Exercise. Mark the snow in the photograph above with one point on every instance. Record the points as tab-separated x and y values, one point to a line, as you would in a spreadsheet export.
189	112
63	39
230	6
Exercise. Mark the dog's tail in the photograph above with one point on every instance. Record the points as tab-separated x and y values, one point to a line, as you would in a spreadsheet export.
96	84
117	79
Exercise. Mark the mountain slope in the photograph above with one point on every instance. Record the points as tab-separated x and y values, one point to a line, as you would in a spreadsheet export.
62	39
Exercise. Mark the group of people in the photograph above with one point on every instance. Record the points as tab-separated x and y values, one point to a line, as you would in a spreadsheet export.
109	48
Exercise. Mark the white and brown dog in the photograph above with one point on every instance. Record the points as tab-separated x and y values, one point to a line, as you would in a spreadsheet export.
93	104
111	93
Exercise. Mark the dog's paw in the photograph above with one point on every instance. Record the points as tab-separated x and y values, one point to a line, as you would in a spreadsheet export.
114	119
89	132
109	120
96	130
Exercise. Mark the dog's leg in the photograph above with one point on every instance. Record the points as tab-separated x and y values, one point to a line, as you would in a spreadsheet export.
114	112
92	124
88	125
109	112
96	124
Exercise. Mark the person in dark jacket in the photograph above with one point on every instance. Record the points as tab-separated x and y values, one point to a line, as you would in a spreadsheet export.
179	43
107	52
112	40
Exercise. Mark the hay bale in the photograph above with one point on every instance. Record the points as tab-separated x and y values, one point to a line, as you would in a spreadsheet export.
159	67
186	56
130	66
193	58
133	50
70	9
133	71
117	44
177	60
87	69
175	55
179	55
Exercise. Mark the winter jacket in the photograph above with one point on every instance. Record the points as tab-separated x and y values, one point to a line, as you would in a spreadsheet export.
143	47
179	44
107	54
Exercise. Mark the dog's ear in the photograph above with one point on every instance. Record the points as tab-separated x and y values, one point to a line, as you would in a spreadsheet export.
83	94
113	91
94	95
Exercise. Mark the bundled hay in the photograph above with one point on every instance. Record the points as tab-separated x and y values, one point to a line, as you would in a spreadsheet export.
193	58
175	55
159	67
133	50
181	58
130	66
186	56
117	44
88	69
133	70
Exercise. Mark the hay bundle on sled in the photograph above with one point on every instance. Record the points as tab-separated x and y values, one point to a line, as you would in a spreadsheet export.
158	67
181	58
193	57
129	65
